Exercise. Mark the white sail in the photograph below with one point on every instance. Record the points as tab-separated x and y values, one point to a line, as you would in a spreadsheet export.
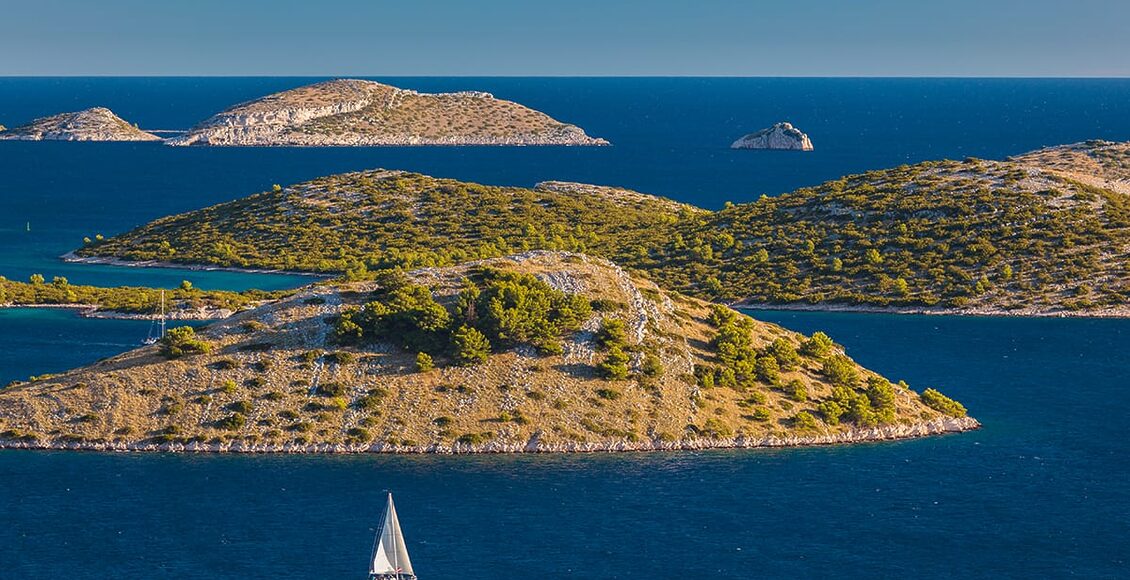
390	556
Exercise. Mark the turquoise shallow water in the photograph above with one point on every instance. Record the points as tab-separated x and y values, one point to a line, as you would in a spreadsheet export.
1042	491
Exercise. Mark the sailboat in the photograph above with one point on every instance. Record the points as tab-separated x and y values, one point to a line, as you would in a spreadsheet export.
390	556
154	339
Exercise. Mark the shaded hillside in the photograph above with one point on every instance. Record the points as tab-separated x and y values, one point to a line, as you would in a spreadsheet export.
358	112
537	352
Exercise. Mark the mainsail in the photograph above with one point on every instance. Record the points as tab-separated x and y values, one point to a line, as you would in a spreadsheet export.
390	557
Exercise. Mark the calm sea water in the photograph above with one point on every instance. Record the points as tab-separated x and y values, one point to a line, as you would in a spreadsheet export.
1042	491
670	136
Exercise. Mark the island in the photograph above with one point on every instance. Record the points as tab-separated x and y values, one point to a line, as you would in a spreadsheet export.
349	112
185	302
94	124
781	136
963	237
533	352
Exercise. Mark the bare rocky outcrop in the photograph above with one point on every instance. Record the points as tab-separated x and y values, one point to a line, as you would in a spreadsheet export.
1099	163
780	136
349	112
95	124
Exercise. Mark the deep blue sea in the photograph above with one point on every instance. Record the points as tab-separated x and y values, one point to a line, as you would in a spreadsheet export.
1042	491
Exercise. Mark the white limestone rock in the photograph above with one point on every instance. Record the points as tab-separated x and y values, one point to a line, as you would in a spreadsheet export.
94	124
781	136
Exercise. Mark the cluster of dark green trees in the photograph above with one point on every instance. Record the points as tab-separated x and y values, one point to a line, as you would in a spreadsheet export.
494	310
741	366
865	403
183	341
938	233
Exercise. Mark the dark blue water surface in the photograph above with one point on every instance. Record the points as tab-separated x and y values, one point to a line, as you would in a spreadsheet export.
670	137
1042	491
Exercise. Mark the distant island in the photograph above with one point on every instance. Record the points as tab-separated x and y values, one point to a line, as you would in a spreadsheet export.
535	352
781	136
349	112
1021	237
94	124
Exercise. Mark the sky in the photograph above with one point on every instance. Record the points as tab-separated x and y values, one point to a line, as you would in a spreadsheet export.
1060	38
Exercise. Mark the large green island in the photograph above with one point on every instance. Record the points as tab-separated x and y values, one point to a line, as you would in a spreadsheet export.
572	317
1046	233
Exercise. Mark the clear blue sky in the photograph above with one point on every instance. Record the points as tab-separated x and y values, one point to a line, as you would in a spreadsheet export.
566	37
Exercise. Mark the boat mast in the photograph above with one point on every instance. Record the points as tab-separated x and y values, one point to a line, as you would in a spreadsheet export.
162	313
395	548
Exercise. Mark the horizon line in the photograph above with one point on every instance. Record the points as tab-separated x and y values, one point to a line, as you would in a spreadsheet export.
564	76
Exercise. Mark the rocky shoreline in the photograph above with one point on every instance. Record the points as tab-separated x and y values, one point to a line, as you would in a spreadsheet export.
73	258
93	311
1110	312
857	435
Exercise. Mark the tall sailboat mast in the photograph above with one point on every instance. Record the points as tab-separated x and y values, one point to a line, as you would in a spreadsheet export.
390	556
162	313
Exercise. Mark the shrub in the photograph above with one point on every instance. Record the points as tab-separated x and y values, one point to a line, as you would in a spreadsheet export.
331	389
652	366
228	386
341	357
831	411
796	390
819	345
475	438
784	353
359	434
225	364
613	333
717	428
767	370
471	347
942	404
841	371
243	407
232	422
609	394
804	420
371	400
424	362
615	365
182	341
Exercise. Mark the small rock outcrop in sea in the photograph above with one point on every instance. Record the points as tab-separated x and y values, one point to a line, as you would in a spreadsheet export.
94	124
780	136
348	112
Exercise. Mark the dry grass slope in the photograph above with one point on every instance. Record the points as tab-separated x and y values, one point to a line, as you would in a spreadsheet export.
358	112
275	381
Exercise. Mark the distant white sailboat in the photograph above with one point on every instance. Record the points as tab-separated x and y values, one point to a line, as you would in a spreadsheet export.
154	339
390	556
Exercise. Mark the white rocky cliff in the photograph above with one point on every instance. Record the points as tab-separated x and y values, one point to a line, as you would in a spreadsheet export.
350	112
780	136
95	124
